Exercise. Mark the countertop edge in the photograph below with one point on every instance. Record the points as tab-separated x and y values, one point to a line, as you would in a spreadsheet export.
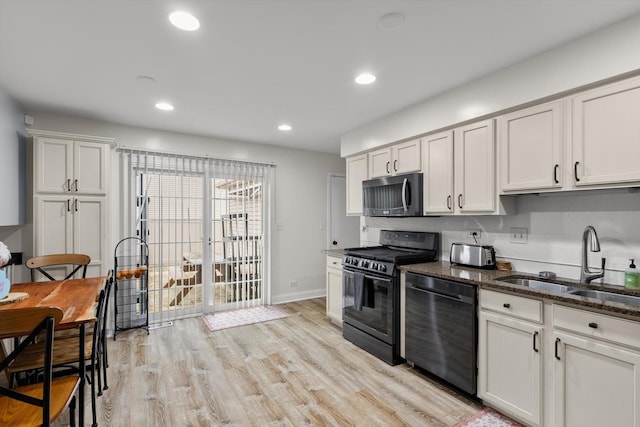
487	279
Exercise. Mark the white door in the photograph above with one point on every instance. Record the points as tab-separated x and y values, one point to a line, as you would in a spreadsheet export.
596	384
343	230
509	355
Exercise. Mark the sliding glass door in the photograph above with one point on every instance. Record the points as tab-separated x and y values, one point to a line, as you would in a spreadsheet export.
204	223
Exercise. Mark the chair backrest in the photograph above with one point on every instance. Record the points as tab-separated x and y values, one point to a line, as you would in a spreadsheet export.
31	322
41	263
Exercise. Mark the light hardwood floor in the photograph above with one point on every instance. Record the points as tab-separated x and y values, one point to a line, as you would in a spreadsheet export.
288	372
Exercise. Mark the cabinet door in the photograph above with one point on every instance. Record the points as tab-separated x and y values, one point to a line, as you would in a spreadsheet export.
596	384
89	231
380	163
53	227
334	289
510	365
406	157
89	165
438	173
606	134
475	167
53	165
356	173
530	144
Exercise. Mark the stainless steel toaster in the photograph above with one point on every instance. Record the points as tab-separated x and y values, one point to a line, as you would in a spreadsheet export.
473	255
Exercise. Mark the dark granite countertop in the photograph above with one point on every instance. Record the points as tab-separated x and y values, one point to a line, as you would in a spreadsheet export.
486	279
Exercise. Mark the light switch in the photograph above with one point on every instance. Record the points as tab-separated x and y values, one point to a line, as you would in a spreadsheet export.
519	235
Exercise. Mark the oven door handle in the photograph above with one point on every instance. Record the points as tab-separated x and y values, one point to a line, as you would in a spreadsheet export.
383	279
404	194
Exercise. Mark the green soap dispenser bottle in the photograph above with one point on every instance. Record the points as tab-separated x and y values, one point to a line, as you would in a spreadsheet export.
632	277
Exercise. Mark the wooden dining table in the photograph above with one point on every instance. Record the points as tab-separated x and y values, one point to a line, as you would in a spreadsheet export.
78	299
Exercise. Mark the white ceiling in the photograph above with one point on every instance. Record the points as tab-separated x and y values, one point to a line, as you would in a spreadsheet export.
257	63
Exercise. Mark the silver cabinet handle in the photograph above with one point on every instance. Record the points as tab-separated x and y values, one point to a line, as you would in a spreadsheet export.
404	194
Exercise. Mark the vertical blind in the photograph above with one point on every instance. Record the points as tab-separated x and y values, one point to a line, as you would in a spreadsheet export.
195	212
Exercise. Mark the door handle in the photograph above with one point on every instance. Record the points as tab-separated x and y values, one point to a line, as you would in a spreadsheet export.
449	202
535	335
68	184
575	171
395	166
75	184
404	194
460	200
75	205
555	174
388	171
556	352
68	205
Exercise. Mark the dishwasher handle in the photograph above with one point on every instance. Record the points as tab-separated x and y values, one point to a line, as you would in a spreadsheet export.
457	297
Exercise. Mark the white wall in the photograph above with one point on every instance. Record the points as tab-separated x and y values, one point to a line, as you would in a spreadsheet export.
555	223
12	163
300	194
600	55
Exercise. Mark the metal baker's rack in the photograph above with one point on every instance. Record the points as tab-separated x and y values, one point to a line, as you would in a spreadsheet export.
131	273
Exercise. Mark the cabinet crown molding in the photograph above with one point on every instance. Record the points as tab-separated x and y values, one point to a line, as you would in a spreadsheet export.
72	136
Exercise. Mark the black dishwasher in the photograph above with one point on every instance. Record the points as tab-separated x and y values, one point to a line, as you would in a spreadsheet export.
441	329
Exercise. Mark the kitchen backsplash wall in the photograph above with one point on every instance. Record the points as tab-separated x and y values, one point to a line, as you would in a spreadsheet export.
554	223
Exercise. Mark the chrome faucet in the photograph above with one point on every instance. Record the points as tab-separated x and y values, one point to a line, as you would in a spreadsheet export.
586	275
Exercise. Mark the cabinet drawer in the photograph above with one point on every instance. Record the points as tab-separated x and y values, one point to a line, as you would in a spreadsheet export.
334	262
524	308
596	325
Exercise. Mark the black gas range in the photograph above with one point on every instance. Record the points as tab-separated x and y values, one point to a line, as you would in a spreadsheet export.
371	289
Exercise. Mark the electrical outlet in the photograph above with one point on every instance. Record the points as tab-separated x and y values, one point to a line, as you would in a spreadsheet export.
471	233
519	235
293	284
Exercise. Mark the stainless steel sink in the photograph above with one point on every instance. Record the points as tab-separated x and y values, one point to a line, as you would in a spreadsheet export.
536	284
607	296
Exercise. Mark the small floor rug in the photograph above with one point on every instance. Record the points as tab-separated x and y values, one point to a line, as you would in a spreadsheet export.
488	418
245	316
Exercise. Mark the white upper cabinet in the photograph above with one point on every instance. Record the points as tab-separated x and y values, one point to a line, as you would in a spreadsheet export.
474	167
356	173
606	135
64	165
437	152
530	147
397	159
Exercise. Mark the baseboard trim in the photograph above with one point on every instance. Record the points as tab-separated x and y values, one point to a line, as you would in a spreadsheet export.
298	296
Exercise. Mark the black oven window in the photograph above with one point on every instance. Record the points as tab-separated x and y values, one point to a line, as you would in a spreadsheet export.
369	303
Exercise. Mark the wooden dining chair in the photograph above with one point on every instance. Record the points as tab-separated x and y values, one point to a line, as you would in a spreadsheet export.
41	403
65	358
44	264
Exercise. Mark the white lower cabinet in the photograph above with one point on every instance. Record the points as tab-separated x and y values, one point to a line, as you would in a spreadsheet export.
547	364
334	289
510	352
596	375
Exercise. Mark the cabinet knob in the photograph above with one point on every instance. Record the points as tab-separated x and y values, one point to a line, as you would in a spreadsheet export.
593	325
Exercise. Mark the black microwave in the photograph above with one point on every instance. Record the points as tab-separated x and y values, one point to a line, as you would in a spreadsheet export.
399	195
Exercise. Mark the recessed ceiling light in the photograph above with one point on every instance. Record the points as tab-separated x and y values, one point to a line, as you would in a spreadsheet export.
164	106
285	127
365	79
390	20
185	21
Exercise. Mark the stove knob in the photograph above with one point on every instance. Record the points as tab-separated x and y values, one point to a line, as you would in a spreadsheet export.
374	266
364	264
382	267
